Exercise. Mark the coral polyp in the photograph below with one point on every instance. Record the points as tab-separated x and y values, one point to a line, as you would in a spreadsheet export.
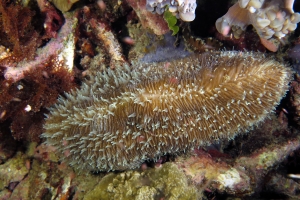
130	114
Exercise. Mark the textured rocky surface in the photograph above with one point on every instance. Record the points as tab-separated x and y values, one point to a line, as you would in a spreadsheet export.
167	182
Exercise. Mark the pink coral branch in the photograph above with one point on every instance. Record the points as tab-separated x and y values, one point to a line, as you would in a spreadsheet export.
52	49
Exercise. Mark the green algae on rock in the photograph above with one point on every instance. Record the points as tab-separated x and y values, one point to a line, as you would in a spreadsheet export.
166	182
128	115
63	5
14	170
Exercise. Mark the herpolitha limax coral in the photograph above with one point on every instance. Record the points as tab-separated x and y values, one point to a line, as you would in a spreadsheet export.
128	115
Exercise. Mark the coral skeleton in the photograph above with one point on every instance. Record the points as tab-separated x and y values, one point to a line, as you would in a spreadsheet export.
183	9
128	115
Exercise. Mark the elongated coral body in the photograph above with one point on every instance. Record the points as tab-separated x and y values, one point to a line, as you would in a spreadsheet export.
128	115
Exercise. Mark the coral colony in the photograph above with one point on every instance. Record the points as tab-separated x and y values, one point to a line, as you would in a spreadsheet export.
270	18
100	86
183	9
134	114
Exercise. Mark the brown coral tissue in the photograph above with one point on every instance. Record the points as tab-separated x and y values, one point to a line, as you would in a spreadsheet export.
23	103
131	114
17	31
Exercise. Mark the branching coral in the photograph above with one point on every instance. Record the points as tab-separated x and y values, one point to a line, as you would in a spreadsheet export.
272	19
183	9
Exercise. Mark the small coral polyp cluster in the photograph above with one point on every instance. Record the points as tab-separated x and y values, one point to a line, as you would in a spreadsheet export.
270	18
183	9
